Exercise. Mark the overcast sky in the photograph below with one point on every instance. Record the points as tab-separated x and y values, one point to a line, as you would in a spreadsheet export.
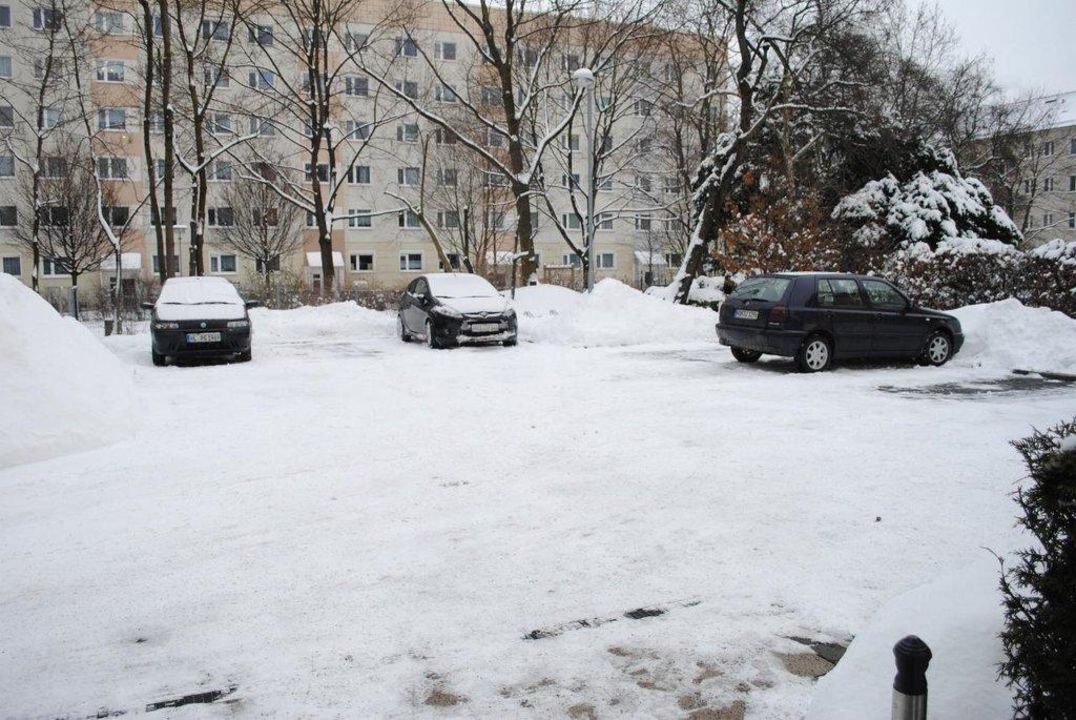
1032	42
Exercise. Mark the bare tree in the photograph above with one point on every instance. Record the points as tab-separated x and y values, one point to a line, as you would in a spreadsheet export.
261	226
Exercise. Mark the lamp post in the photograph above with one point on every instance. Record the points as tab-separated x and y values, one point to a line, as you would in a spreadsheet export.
583	79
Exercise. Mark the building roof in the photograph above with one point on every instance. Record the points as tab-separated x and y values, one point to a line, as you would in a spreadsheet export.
1057	110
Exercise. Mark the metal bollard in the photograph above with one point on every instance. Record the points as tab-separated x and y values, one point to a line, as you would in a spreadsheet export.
910	684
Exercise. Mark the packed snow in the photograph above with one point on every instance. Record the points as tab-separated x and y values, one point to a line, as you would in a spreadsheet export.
60	389
959	616
1008	335
351	526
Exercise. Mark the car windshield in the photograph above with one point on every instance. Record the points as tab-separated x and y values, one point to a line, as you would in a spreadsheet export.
199	291
460	285
770	289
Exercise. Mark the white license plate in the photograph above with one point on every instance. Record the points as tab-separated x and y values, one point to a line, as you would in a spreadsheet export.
203	337
747	314
486	327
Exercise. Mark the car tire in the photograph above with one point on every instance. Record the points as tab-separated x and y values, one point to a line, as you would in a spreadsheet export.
938	350
511	342
815	354
158	359
245	356
402	330
746	356
431	340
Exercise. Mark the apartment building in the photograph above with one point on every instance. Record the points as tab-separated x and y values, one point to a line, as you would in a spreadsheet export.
385	150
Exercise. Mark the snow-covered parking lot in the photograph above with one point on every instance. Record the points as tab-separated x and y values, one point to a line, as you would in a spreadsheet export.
354	527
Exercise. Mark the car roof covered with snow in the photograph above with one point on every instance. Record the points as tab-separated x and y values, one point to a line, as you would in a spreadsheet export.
459	285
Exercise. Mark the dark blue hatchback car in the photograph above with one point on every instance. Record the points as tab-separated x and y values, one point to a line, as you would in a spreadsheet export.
821	317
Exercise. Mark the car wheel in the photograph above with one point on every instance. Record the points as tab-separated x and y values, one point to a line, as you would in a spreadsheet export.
158	359
402	330
815	355
511	342
746	356
938	350
245	356
431	340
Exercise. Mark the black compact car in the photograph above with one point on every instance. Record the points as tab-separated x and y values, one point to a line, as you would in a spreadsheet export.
199	317
821	317
449	309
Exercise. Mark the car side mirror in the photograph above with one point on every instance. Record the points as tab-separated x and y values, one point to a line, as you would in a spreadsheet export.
146	305
420	297
252	304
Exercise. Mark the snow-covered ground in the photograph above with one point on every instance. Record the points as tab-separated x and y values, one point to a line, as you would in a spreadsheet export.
354	527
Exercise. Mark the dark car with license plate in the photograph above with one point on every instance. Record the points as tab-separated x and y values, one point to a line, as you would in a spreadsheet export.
199	317
451	309
817	318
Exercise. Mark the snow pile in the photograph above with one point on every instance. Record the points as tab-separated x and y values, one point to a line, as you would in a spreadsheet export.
959	617
61	390
344	320
1007	335
613	315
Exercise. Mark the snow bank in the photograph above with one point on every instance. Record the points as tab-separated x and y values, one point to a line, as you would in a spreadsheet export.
959	617
1007	334
61	390
613	315
342	320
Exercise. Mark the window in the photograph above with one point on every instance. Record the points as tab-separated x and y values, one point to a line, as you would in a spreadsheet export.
5	66
491	95
445	51
571	259
884	296
359	175
496	179
643	222
158	168
673	259
569	181
221	217
1047	184
215	30
643	108
54	167
606	145
112	168
528	57
360	218
572	221
494	139
446	137
1072	219
605	221
220	171
116	215
112	119
1072	146
9	216
272	264
672	184
407	88
264	217
1072	183
222	263
448	219
157	263
495	219
311	220
605	184
407	132
1047	219
571	142
453	262
356	86
408	177
54	266
410	262
444	93
53	216
644	145
643	183
357	130
571	62
5	16
1029	186
261	34
323	172
50	118
605	260
155	219
13	266
408	219
220	123
261	79
406	47
7	166
47	19
362	263
355	41
448	177
1048	147
110	70
7	116
262	127
156	122
831	293
108	22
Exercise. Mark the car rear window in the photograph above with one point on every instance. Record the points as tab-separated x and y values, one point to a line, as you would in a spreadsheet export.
770	289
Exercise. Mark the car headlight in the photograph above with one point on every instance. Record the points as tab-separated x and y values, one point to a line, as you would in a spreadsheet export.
238	324
446	311
166	326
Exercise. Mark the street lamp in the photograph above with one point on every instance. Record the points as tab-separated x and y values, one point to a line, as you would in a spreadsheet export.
583	79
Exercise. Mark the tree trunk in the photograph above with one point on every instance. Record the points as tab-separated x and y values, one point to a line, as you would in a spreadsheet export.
147	112
167	269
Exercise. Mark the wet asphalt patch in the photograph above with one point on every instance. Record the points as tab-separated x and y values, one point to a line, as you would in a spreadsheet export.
1015	385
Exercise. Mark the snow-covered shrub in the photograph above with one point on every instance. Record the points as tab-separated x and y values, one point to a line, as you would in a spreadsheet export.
1050	277
958	272
1040	606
